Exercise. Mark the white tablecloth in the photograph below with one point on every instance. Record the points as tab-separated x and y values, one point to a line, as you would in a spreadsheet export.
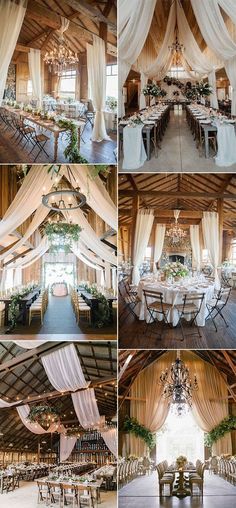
134	151
174	295
109	117
60	289
226	140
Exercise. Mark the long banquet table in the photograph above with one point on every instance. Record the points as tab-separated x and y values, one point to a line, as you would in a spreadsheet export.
173	294
25	302
48	125
93	303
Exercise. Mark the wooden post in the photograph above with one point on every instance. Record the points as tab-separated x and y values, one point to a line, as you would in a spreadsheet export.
135	209
38	449
220	210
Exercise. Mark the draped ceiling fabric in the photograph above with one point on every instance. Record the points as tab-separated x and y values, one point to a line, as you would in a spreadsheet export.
3	403
210	228
31	256
209	402
159	242
64	370
195	244
217	37
29	344
86	408
110	438
143	228
34	57
134	22
67	444
96	64
12	15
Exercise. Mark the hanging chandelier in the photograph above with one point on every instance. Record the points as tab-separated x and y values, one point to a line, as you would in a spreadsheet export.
176	47
63	199
61	58
178	386
176	233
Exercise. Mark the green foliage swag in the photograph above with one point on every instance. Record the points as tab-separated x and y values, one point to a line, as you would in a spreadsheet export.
14	306
72	152
103	314
132	426
38	413
220	430
63	234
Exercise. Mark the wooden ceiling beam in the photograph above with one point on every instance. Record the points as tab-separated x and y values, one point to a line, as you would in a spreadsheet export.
22	255
92	13
189	195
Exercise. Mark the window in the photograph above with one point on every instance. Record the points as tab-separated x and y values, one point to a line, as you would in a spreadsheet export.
205	256
148	253
68	84
112	81
29	87
178	73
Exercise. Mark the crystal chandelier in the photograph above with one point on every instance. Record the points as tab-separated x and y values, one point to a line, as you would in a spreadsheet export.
176	233
176	47
178	386
61	58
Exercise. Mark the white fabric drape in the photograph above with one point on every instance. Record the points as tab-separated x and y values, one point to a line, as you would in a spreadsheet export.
210	228
110	438
37	182
195	244
84	259
12	15
217	37
193	54
96	65
134	21
29	344
86	409
64	370
34	57
23	412
67	443
93	259
108	275
17	280
144	222
3	403
31	256
160	232
96	194
142	100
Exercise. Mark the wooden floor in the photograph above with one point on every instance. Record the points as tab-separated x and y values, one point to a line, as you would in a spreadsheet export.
59	319
100	153
143	492
131	333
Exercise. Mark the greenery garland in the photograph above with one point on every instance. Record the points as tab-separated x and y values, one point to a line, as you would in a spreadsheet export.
13	308
38	414
65	234
72	152
103	314
220	430
132	426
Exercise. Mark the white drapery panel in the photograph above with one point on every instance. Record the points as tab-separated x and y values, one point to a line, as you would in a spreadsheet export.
31	256
86	408
17	279
108	275
134	22
89	237
23	412
142	100
195	244
161	65
229	7
82	258
37	182
39	216
3	403
110	438
143	228
96	65
160	232
29	344
3	274
193	54
217	37
67	444
210	228
12	15
90	255
34	57
96	194
64	370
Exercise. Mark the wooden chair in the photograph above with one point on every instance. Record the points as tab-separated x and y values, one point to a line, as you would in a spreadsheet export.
55	493
191	305
164	479
43	492
157	309
69	495
85	497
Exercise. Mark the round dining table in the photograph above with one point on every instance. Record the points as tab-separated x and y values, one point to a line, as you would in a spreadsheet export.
173	293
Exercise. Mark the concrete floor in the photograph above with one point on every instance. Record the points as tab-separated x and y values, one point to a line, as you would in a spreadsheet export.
179	153
26	497
143	492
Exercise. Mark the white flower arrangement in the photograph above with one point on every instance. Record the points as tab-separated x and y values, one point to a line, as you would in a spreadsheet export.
175	269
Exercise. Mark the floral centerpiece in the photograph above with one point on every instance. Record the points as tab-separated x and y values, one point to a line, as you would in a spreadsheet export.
181	461
175	270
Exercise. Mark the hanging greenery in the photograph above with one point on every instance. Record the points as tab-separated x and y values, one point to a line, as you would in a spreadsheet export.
152	90
14	307
73	432
103	314
44	415
132	426
61	235
220	430
72	152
